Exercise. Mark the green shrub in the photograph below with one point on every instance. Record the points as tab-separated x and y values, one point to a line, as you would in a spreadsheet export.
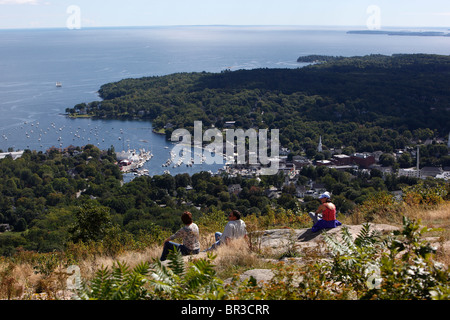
399	266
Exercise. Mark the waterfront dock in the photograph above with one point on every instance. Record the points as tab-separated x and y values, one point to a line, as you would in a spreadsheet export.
132	160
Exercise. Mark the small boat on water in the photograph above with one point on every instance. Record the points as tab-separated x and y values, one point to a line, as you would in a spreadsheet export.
58	84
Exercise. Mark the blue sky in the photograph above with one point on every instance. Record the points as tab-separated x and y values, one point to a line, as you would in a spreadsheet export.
103	13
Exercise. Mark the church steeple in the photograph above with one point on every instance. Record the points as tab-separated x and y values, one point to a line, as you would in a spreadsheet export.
319	147
448	143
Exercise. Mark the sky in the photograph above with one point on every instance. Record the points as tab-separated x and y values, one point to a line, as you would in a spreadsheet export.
77	14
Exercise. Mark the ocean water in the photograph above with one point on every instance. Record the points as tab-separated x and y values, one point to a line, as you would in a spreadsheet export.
32	61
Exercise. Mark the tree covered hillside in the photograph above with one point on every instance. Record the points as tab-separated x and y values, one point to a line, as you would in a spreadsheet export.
369	103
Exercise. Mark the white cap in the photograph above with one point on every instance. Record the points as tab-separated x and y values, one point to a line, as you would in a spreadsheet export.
325	195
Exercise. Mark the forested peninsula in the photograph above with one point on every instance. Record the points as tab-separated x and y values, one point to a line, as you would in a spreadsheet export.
364	103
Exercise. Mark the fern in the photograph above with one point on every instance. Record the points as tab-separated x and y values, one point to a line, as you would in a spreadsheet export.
163	278
120	283
176	281
345	246
176	262
167	278
201	278
367	237
100	284
354	257
365	240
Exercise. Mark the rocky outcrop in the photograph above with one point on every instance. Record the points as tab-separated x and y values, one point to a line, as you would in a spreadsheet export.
280	240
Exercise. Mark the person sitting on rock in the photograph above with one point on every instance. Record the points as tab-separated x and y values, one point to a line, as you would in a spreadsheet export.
235	229
325	216
190	235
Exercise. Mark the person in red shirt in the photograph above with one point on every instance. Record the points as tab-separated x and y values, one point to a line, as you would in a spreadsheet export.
325	215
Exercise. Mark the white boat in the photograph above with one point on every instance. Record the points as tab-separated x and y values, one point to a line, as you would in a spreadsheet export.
58	84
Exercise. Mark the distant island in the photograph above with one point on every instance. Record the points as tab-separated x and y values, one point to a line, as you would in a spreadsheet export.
402	33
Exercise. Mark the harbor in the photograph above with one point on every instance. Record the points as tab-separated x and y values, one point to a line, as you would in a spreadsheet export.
133	161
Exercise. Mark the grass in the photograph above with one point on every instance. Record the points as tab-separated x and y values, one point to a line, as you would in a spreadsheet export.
438	217
236	258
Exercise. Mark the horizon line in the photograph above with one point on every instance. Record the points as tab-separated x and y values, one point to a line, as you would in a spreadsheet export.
224	25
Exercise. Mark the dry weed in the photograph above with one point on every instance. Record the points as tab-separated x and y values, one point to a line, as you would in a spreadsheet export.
438	216
235	257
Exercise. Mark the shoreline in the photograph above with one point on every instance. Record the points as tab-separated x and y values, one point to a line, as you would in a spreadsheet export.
159	132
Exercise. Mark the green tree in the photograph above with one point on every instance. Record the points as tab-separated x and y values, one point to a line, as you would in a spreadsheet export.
405	160
93	222
387	160
21	225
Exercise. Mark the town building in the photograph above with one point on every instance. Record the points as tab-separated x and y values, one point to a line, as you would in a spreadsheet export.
408	172
341	160
14	155
234	188
444	175
430	172
323	163
301	162
363	160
